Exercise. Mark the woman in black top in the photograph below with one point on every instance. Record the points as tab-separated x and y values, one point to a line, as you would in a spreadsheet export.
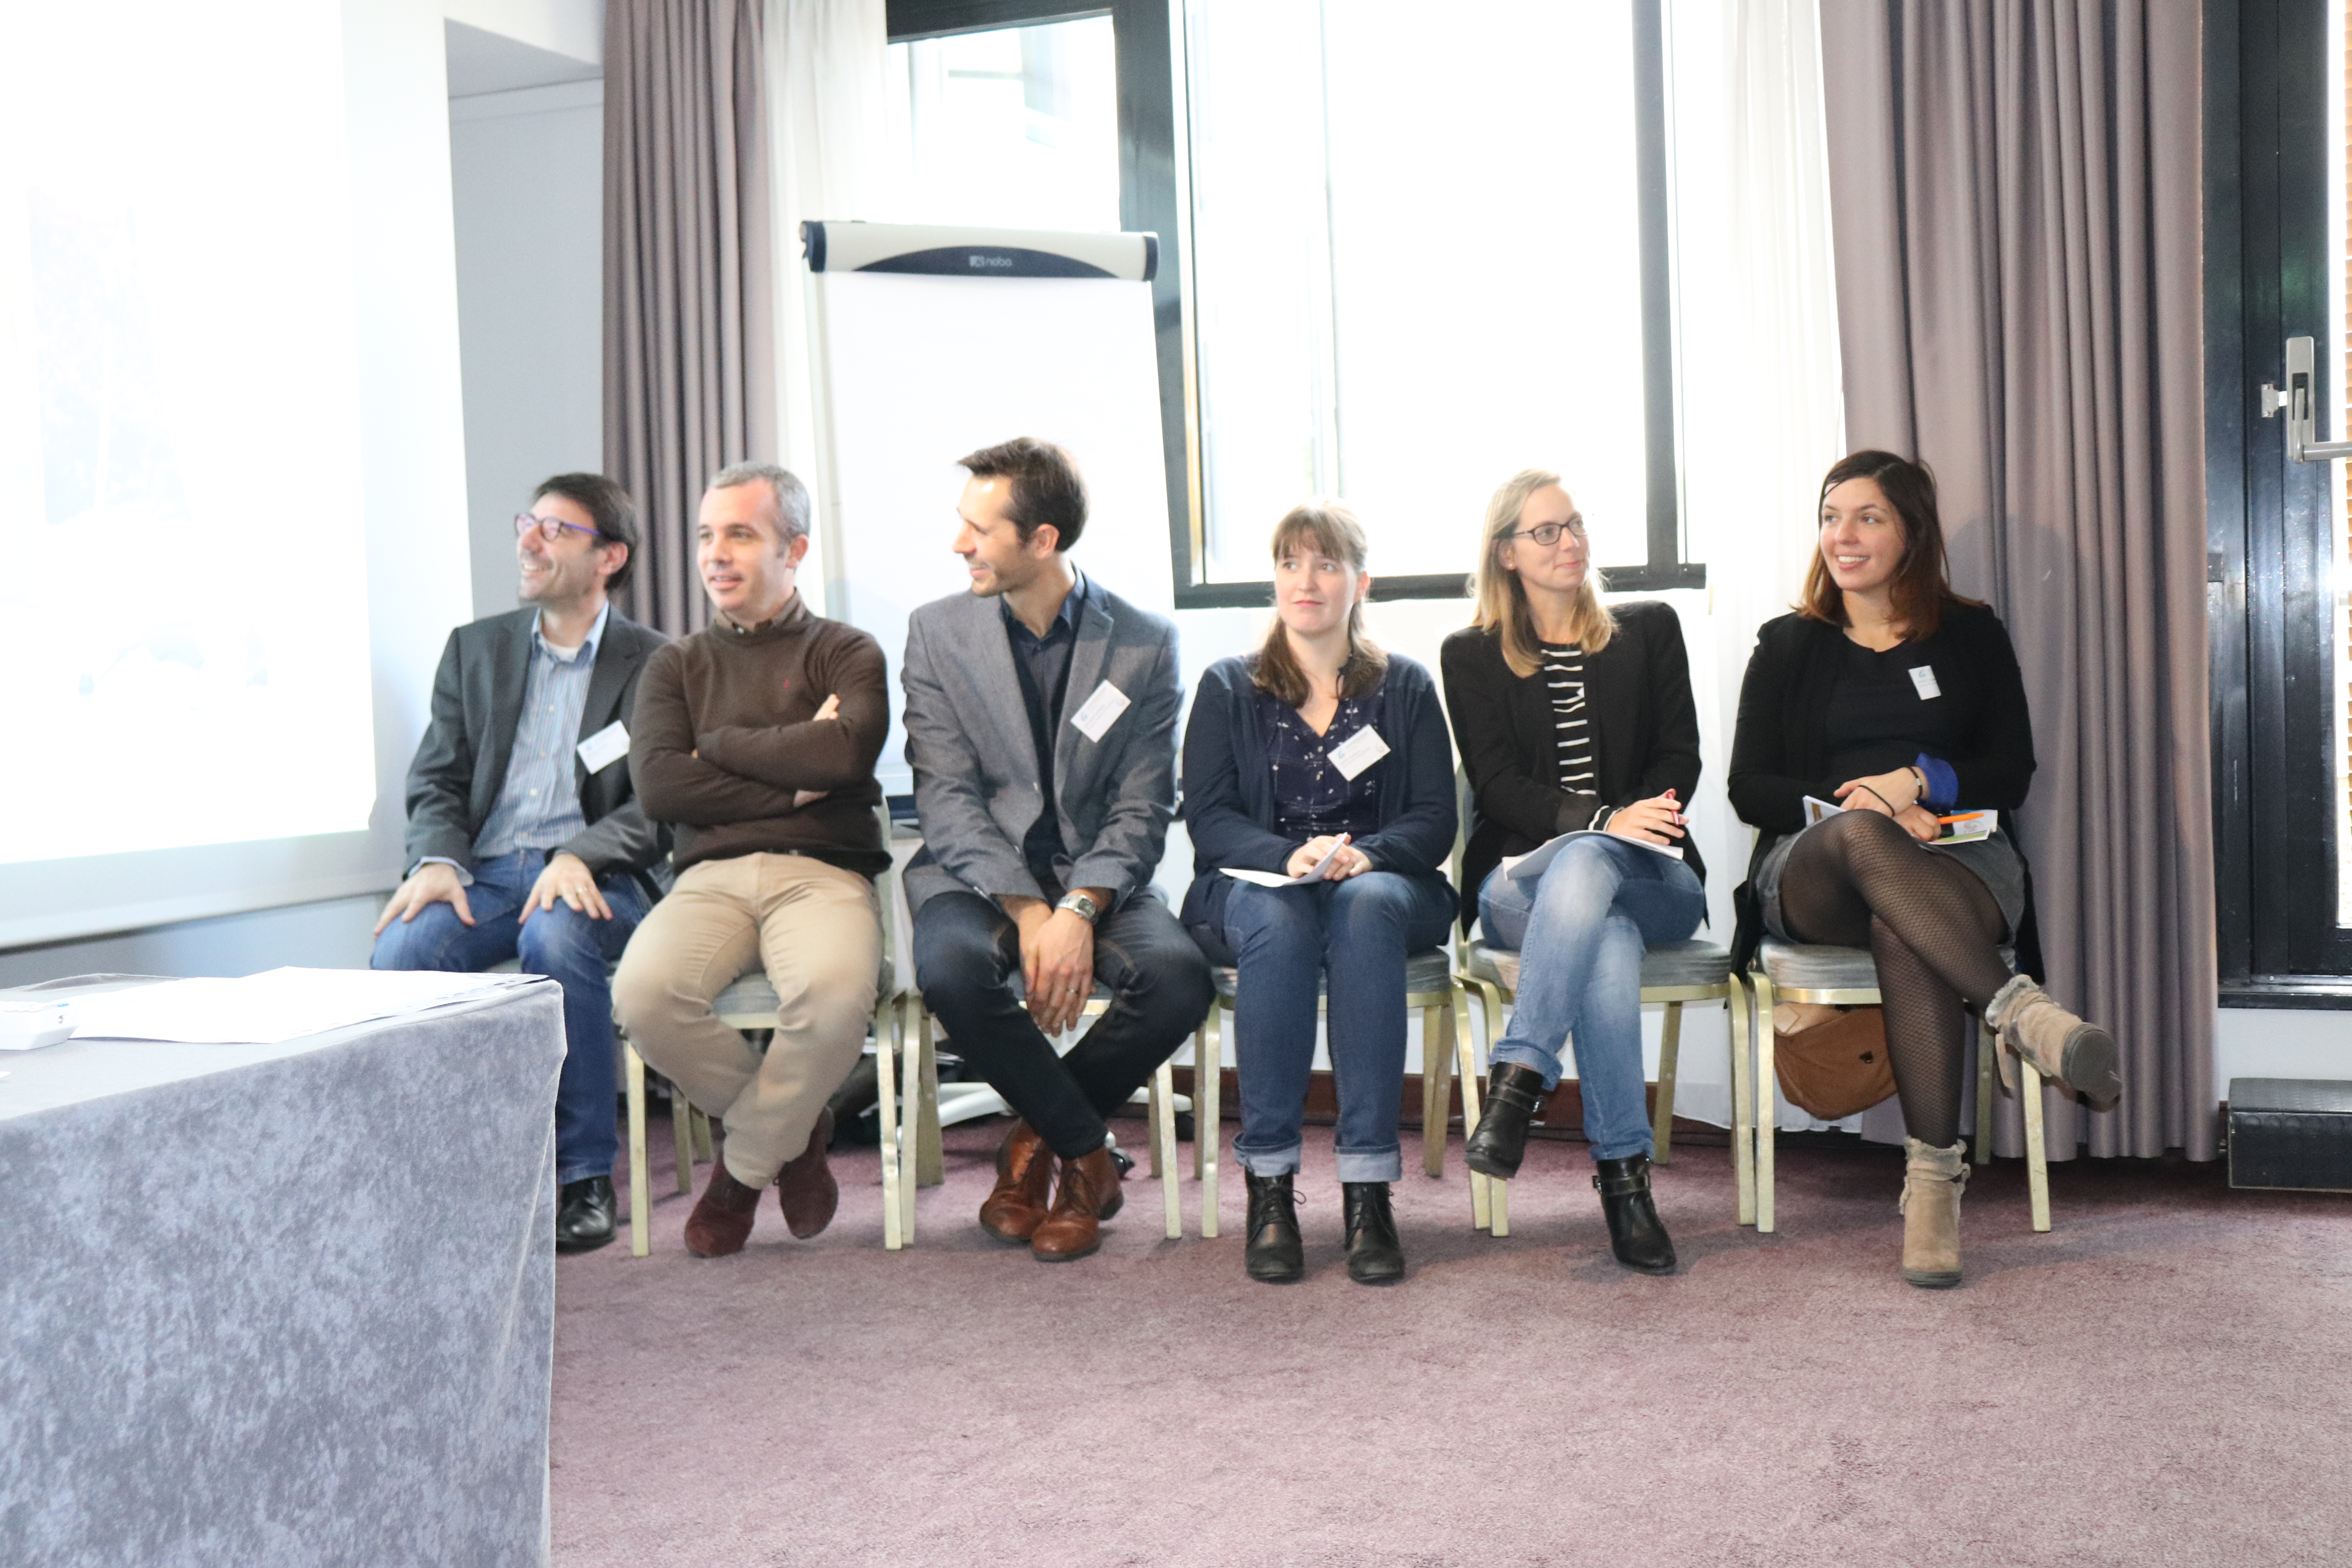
1572	716
1893	697
1319	757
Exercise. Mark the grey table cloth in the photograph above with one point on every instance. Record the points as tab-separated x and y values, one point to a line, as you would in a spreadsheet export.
283	1304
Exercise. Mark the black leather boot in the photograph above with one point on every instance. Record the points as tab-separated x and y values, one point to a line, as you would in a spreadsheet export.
1636	1234
1274	1254
1374	1255
1513	1098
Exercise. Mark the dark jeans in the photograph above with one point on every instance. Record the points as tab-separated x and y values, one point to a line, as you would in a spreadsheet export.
968	963
1358	933
575	951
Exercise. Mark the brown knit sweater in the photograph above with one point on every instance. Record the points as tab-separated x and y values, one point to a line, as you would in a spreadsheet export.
725	733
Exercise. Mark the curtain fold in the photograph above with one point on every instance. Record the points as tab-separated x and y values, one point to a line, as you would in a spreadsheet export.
689	330
2017	219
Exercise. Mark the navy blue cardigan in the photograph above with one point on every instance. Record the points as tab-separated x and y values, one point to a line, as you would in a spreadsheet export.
1229	807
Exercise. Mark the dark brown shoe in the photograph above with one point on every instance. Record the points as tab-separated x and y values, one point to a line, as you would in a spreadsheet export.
1088	1194
806	1188
1025	1186
721	1220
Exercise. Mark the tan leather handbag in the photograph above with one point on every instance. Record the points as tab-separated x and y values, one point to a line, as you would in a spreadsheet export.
1832	1061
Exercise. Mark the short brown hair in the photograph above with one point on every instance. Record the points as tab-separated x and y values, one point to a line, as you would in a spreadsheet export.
615	513
1922	585
1046	487
1329	529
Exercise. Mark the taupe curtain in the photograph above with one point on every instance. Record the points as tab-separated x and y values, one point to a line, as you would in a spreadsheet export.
690	318
2014	193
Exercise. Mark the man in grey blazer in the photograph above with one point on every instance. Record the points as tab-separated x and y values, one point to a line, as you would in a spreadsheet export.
1041	720
524	836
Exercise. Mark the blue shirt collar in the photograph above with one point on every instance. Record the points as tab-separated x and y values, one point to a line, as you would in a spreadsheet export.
1066	617
587	648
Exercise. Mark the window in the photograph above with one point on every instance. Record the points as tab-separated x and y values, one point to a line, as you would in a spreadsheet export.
1015	127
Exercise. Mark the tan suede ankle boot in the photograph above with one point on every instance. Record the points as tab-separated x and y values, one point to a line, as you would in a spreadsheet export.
2081	1055
1933	1180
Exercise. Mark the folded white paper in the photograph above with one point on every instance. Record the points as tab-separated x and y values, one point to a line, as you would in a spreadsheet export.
279	1005
1276	879
1527	868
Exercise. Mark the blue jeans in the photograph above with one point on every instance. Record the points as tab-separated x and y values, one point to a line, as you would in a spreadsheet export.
1580	931
1357	932
576	950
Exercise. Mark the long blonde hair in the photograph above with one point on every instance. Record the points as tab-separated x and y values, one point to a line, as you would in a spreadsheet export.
1503	598
1330	530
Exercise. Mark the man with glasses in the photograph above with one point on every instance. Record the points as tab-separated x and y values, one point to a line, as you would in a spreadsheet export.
525	839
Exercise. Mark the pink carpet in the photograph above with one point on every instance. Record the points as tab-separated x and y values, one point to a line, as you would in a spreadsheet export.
2159	1380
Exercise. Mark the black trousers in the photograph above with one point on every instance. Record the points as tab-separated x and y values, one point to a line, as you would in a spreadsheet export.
968	963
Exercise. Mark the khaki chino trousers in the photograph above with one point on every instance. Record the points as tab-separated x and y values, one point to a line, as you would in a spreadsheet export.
814	929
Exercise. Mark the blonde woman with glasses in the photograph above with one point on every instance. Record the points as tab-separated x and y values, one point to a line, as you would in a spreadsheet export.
1572	716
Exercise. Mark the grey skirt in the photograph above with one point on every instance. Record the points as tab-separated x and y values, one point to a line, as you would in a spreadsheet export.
1995	860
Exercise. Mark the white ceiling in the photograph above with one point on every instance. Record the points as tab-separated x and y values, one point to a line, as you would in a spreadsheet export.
482	62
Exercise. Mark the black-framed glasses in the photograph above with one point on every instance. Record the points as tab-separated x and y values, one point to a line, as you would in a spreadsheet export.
549	528
1548	533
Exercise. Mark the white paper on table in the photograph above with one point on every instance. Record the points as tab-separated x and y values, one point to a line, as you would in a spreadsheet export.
279	1005
1527	868
1276	879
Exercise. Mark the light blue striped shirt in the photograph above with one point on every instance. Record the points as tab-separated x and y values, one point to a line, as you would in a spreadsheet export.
539	805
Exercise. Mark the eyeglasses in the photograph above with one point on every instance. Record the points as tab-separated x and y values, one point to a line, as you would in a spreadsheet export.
549	528
1548	533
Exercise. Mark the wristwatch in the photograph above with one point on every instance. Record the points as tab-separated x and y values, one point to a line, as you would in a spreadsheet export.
1079	904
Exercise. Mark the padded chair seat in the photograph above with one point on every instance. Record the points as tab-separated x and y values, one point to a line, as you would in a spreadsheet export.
1672	964
1805	966
1424	972
752	996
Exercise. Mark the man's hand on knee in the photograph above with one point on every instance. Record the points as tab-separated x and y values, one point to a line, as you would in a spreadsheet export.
435	882
1057	962
565	876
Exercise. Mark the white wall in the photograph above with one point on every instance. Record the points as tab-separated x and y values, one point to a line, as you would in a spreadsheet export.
526	181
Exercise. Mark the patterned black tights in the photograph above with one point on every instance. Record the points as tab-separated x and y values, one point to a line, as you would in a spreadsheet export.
1860	880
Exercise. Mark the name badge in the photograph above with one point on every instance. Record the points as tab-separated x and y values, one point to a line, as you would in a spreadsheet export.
1924	678
1100	713
1359	751
605	747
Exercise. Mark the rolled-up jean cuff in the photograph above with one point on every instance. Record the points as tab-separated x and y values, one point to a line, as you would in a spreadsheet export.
1371	1165
1533	1058
1268	1161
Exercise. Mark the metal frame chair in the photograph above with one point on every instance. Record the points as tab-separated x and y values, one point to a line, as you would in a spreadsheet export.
1846	977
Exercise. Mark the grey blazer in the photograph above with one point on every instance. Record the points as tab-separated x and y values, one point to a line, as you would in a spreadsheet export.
461	762
975	768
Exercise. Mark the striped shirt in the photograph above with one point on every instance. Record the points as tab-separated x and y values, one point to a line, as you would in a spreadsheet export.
1563	672
538	804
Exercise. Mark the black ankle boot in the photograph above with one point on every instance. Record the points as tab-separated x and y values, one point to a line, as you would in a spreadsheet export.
1374	1255
1274	1254
1513	1098
1635	1234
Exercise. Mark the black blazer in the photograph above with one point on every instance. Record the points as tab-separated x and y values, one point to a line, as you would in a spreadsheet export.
1229	806
461	762
1645	730
1779	752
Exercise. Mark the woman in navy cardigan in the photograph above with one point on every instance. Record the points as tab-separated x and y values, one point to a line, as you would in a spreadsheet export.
1318	756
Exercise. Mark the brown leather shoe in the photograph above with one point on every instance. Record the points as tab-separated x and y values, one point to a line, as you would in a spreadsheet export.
721	1220
806	1188
1089	1194
1025	1185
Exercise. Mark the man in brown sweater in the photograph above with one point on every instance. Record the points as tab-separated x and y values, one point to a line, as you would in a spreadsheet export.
756	738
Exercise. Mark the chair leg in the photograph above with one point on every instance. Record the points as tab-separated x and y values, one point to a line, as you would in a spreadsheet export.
2037	1159
1766	1107
1748	1008
1988	1046
930	1166
910	1058
1437	1091
1163	1145
887	1024
1151	1122
641	1196
1661	1117
702	1146
1208	1114
1465	1063
1490	1012
681	1137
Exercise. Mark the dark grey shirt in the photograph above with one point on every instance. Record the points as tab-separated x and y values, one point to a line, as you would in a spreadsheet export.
1043	665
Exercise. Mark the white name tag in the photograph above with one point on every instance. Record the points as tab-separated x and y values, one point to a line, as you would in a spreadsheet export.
605	747
1924	678
1359	751
1100	713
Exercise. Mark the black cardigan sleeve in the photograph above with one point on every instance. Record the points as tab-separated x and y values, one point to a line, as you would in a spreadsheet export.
1223	832
1996	769
1420	836
1764	784
1672	761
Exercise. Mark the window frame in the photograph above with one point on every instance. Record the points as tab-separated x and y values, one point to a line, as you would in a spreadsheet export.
1152	199
2269	522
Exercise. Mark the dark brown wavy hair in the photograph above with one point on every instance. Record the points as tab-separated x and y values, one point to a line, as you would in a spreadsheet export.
1922	585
